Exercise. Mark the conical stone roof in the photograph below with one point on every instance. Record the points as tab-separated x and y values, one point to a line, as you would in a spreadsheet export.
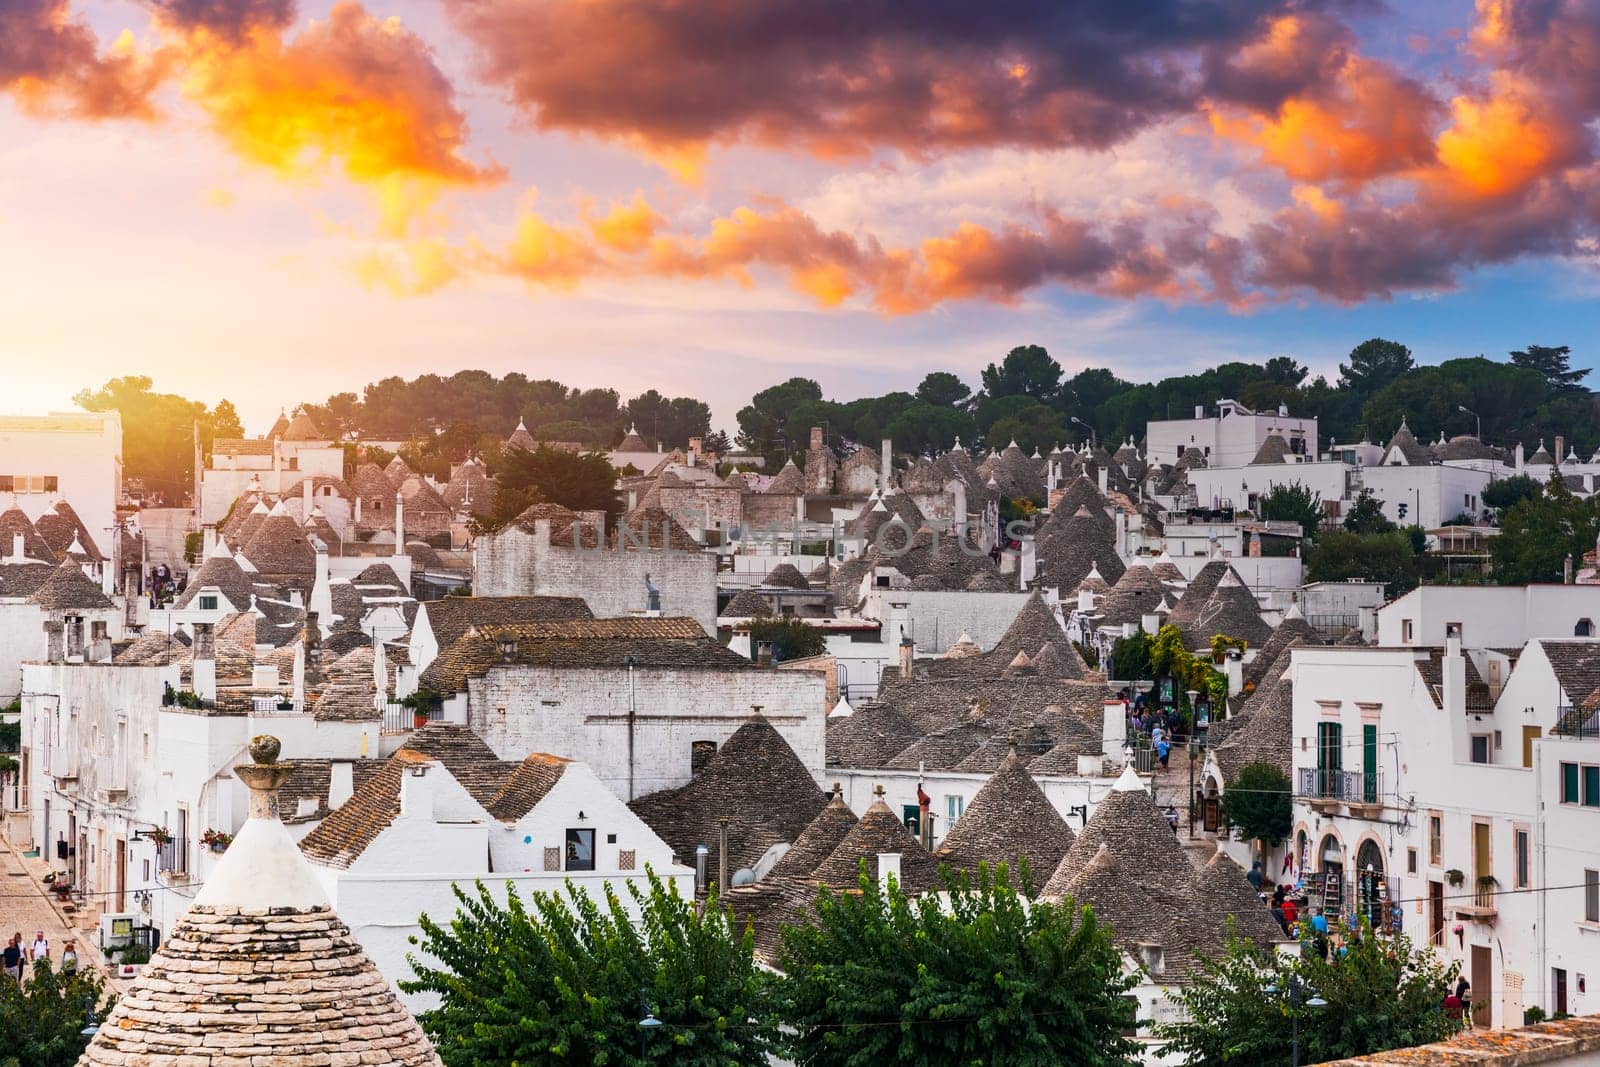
789	480
1010	818
1129	824
1224	893
260	969
877	832
817	841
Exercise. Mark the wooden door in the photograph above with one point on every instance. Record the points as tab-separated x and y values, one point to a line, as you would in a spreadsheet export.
1482	985
122	874
1436	913
1481	866
1529	735
1559	980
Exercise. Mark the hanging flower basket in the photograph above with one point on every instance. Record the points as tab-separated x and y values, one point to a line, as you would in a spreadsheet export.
216	840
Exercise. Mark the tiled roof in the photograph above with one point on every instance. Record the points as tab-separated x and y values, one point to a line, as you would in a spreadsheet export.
869	738
1034	626
1075	738
817	841
421	498
226	575
397	471
786	576
672	643
304	428
878	831
1230	608
1263	734
310	780
1431	669
279	548
348	691
451	617
521	438
372	486
746	604
769	905
470	488
1577	667
755	781
651	528
60	526
1128	822
241	446
1081	492
1225	894
1291	629
35	547
1070	550
945	748
529	783
1416	455
1273	450
1010	818
1135	595
1139	912
789	480
67	589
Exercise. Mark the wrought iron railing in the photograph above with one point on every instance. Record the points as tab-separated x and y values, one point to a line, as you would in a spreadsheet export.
1577	722
1334	783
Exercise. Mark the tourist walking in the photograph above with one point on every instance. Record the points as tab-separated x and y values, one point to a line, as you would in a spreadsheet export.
1254	877
69	958
11	958
40	949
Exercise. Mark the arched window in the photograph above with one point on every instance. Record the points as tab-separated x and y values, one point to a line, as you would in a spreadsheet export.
1585	628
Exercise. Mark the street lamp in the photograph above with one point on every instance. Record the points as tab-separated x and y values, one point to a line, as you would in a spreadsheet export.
1093	439
647	1025
90	1025
1193	720
1464	410
1297	1000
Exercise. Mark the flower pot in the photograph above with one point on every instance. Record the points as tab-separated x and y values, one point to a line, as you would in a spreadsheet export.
219	847
420	719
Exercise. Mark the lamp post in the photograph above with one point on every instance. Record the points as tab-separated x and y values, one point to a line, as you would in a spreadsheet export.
1189	737
648	1025
1465	411
90	1025
1093	438
1297	1000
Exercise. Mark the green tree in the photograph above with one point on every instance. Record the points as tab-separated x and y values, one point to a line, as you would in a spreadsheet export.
1540	533
1502	493
158	431
1027	370
1554	362
791	638
560	978
1366	516
1292	503
582	481
1389	558
1374	364
941	389
764	423
41	1021
1130	657
1381	993
1260	802
981	976
717	441
224	421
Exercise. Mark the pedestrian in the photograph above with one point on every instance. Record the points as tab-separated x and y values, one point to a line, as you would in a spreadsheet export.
11	958
69	959
1163	750
1319	921
1278	912
1172	811
1254	877
1291	910
1464	995
41	948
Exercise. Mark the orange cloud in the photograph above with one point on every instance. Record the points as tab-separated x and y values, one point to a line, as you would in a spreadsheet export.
52	64
354	92
1499	142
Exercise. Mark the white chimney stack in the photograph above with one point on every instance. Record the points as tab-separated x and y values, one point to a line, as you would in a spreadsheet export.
1455	672
341	783
888	867
888	465
1114	733
399	525
321	590
416	791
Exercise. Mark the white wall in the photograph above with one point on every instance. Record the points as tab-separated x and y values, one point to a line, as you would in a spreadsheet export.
82	450
935	620
1212	485
1491	616
1230	441
1432	494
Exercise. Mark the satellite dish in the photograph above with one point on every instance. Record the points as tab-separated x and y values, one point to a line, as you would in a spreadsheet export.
743	876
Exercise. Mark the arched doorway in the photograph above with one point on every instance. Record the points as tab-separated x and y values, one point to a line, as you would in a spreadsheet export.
1211	806
1370	885
1330	876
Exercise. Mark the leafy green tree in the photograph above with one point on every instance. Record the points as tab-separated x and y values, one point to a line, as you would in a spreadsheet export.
668	422
561	977
1381	993
1366	516
582	481
942	389
1260	802
1374	364
1389	558
1292	503
791	638
1555	363
158	431
224	421
1502	493
764	423
41	1021
1027	370
717	441
981	976
1538	534
1030	424
923	429
1130	657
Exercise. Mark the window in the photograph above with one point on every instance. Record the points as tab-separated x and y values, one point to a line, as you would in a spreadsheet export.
1406	630
1329	758
1369	763
700	753
954	808
911	818
1436	839
1585	628
208	603
580	850
1591	896
1580	784
1411	861
1569	783
1519	839
1480	748
1591	787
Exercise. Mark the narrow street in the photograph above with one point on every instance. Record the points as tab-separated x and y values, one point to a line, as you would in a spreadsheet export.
26	908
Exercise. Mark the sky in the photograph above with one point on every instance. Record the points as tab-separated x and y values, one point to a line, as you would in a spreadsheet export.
270	201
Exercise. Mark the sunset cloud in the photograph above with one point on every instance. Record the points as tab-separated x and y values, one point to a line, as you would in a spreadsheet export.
841	79
52	64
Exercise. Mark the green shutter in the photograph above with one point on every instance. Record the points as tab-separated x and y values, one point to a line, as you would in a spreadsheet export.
1369	763
1569	783
1591	787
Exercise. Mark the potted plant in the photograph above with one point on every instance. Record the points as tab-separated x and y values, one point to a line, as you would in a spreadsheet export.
160	836
420	719
216	840
285	703
1454	876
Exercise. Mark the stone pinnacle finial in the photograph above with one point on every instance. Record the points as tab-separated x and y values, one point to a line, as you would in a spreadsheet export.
265	776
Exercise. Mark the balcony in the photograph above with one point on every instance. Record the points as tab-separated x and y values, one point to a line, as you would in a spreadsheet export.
172	860
1482	906
1328	787
1577	723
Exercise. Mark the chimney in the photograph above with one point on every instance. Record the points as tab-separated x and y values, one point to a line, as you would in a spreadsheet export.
298	675
1233	667
1455	671
907	648
1114	731
1255	545
205	661
888	867
416	792
305	500
55	640
887	467
311	641
341	783
399	525
358	509
763	653
1100	477
321	591
696	447
1519	455
1561	448
816	438
16	547
700	854
1085	600
99	650
1150	623
208	539
1027	563
1199	411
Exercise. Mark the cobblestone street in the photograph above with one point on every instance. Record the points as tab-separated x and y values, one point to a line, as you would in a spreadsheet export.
26	908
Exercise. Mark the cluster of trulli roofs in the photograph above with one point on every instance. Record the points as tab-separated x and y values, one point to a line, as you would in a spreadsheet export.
582	719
